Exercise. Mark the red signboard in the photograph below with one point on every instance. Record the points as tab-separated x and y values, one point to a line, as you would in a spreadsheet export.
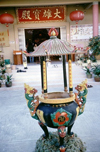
4	38
41	14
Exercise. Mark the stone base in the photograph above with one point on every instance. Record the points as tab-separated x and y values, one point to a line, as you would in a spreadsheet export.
51	144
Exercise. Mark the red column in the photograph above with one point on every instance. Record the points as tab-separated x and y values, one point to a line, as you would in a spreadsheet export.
95	19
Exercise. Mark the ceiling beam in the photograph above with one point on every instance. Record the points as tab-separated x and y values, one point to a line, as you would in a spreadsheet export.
25	3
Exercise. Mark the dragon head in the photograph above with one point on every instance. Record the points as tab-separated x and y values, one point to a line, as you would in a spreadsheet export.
82	86
29	90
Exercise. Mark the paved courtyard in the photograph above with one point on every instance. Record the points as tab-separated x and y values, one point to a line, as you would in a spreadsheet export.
19	132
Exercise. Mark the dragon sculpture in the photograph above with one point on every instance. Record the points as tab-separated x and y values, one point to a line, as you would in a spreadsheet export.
32	100
80	97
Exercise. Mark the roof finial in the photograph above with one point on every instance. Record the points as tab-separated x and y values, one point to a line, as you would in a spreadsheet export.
53	32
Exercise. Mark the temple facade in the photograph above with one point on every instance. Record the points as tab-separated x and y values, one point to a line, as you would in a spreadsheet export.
32	21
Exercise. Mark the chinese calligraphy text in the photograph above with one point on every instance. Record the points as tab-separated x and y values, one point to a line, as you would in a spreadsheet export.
41	14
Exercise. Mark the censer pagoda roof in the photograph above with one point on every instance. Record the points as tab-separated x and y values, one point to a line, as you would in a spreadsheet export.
55	46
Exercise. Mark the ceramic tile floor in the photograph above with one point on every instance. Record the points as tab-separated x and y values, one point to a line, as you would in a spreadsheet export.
19	132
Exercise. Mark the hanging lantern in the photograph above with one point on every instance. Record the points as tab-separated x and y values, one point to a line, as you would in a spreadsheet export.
76	16
6	19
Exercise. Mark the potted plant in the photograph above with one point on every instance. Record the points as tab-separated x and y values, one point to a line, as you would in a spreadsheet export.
8	82
2	69
96	72
94	44
92	58
88	71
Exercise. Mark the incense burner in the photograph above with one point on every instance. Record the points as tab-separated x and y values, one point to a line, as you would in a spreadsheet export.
59	110
56	109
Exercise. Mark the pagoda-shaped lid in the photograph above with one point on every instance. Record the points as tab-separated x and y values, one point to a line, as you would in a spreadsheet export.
55	46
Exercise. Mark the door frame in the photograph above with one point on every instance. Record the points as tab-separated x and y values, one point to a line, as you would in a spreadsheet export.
41	25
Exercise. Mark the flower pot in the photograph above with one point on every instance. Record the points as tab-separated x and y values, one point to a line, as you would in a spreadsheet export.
97	78
3	76
97	57
13	67
89	75
8	84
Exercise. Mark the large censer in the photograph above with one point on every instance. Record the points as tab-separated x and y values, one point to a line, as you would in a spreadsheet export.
56	109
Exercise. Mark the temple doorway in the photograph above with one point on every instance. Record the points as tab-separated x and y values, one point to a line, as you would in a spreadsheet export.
36	37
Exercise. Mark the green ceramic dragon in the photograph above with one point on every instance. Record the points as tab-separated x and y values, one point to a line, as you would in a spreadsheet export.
32	100
81	95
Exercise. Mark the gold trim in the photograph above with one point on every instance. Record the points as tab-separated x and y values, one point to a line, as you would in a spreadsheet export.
44	76
70	73
57	100
40	115
77	110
